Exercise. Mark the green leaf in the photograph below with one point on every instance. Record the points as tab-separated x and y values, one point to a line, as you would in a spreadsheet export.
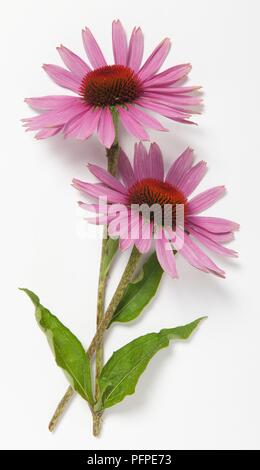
110	251
67	349
140	292
121	373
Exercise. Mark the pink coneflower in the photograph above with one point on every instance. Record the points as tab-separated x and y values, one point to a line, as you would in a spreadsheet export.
125	86
145	184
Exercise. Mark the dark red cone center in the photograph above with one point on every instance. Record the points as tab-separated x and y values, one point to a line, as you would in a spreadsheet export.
111	85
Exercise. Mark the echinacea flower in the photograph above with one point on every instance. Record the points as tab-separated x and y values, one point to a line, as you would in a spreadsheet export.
100	88
146	184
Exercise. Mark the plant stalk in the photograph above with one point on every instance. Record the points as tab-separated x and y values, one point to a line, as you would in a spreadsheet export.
112	154
103	325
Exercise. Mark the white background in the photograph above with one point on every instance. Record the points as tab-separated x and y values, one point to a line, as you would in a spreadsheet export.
197	395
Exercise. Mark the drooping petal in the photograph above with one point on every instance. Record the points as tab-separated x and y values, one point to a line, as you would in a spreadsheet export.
125	169
187	251
140	162
222	237
179	167
191	179
106	128
55	118
143	244
119	43
48	103
204	200
214	224
107	178
73	62
201	258
136	49
171	90
48	132
125	243
165	254
156	167
169	76
213	245
99	191
63	77
119	226
134	226
145	119
169	98
97	208
155	60
99	219
167	111
93	50
132	125
83	126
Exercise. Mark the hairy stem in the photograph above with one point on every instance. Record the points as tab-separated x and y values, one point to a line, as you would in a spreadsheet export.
112	161
98	338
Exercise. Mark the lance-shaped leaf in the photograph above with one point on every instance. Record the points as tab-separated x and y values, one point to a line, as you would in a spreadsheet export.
121	373
67	349
140	292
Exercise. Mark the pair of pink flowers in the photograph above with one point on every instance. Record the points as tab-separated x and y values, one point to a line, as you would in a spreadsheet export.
127	88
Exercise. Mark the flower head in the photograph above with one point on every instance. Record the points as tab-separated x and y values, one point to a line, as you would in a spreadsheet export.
144	206
125	86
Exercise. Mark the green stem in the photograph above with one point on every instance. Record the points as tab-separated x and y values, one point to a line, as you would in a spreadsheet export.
98	338
112	154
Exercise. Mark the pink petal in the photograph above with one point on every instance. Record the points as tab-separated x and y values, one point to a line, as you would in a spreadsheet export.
73	62
125	243
48	132
169	76
140	162
99	191
155	60
213	245
92	49
143	244
131	125
145	119
106	178
169	90
106	128
119	43
169	98
125	169
165	255
93	207
179	167
134	225
55	118
200	257
50	102
191	179
99	219
156	162
83	126
63	77
187	252
206	199
119	227
136	49
214	224
224	237
167	111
